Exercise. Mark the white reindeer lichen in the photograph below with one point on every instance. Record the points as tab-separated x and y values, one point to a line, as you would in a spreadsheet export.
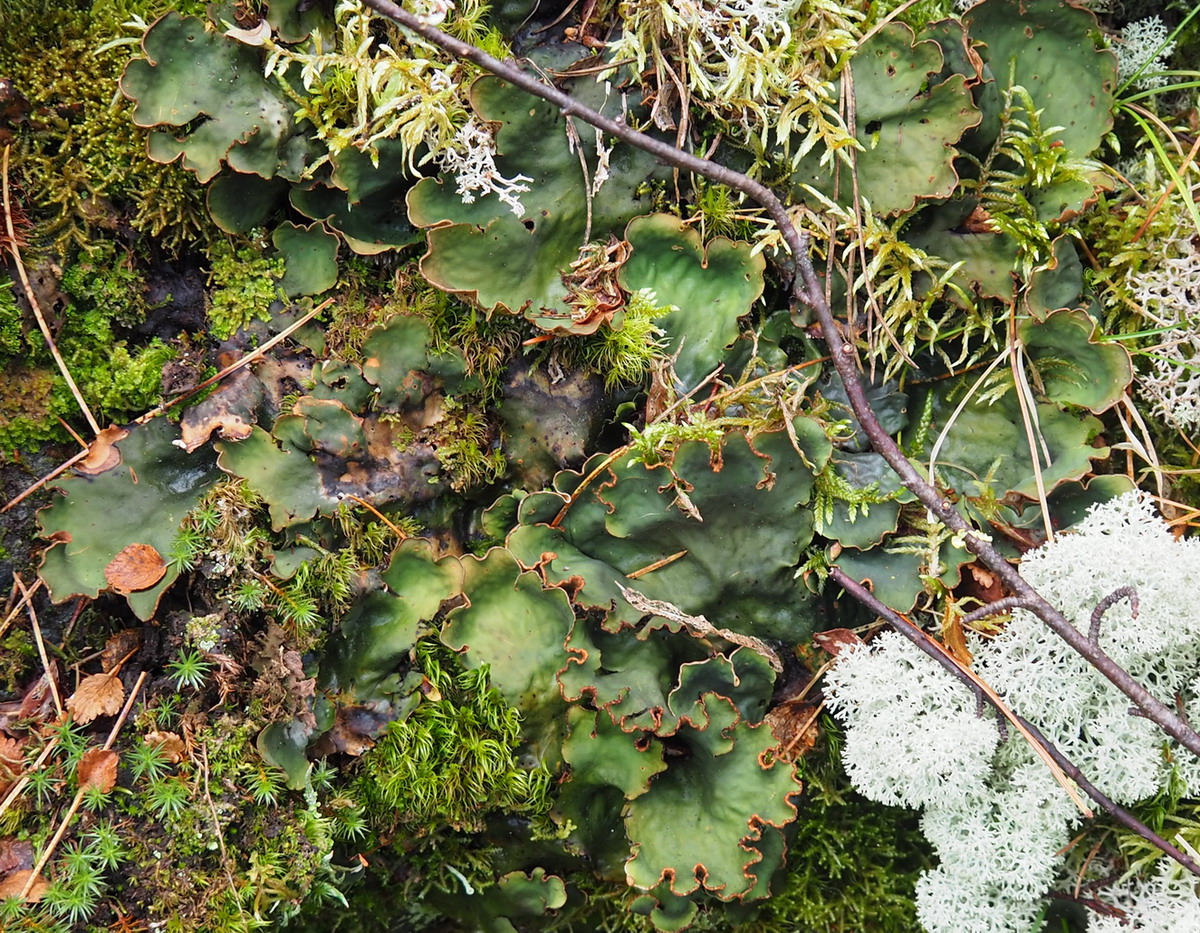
992	811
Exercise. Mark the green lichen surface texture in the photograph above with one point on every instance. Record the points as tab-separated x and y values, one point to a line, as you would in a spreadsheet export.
419	506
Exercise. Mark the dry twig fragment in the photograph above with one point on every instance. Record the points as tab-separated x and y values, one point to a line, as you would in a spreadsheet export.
698	625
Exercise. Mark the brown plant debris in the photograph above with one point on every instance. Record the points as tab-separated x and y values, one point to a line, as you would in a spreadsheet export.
97	695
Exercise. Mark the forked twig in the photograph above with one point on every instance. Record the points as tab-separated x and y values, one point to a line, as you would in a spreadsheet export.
807	290
1041	744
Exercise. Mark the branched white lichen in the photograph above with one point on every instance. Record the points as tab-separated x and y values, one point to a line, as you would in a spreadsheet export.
995	816
1166	903
471	158
1143	46
1169	294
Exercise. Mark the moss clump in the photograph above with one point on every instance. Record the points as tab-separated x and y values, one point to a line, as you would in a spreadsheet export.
245	284
80	163
28	408
453	761
853	864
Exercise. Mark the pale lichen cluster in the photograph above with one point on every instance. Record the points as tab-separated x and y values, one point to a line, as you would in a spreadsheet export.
994	814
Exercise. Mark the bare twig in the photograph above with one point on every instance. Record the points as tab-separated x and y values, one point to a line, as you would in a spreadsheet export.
137	687
26	595
1031	732
1122	592
699	626
33	302
27	592
807	290
234	367
29	490
1007	604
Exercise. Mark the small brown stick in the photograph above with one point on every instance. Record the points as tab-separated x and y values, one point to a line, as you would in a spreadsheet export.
699	626
19	787
379	515
26	595
1184	167
53	844
804	728
657	565
33	302
41	645
30	490
1121	592
1006	604
234	367
137	686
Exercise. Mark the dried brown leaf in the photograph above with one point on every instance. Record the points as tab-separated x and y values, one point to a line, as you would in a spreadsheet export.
97	695
102	455
38	702
137	567
794	725
169	743
98	768
15	855
120	646
837	640
955	640
12	761
14	885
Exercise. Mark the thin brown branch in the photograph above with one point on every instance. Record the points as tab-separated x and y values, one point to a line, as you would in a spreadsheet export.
27	592
34	487
807	290
947	661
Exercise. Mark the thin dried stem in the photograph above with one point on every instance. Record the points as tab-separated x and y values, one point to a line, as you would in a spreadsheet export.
33	302
41	645
30	490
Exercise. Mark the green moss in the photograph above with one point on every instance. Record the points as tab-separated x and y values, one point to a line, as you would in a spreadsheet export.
28	408
454	760
79	162
463	442
622	352
18	656
245	283
853	864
